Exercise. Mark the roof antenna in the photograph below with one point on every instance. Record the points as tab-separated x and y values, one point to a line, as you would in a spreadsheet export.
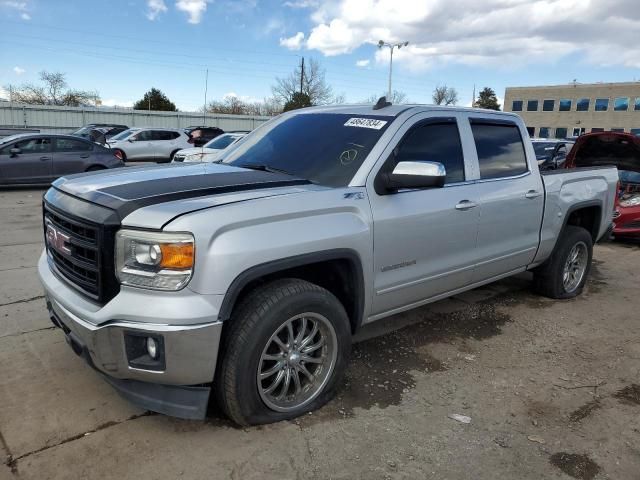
381	103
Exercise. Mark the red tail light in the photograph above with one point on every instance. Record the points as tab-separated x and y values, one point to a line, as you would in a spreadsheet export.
118	154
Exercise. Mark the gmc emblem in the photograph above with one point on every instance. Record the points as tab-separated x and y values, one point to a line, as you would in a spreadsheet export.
57	240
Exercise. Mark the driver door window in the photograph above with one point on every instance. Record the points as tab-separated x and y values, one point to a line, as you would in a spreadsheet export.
144	136
439	142
33	145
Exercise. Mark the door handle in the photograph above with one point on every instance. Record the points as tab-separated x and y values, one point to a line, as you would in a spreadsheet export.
86	155
466	205
45	158
532	194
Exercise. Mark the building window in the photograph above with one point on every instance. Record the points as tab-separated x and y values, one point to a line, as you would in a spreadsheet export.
635	131
602	104
617	130
516	106
561	133
531	131
637	104
544	132
582	105
621	104
578	131
548	105
596	130
532	106
565	105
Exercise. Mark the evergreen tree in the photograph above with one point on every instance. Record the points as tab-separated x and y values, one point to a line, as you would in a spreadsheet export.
487	99
154	99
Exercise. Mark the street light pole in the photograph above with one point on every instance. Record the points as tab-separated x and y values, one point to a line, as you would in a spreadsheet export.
391	46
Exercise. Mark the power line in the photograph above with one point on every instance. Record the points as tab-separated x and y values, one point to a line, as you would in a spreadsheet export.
415	83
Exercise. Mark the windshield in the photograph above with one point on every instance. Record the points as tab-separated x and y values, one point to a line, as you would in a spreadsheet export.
221	142
123	135
83	131
325	148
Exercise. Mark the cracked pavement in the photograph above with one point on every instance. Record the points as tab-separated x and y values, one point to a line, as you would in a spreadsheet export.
552	389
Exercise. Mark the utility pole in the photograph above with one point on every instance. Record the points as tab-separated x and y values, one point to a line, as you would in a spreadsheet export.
391	46
206	87
301	74
473	99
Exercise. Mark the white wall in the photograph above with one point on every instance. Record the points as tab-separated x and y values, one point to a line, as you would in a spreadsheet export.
50	119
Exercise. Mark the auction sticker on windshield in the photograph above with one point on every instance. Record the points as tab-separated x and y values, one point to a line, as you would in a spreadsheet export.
365	123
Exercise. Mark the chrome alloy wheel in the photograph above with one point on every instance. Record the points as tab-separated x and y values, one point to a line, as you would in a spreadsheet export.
297	362
575	267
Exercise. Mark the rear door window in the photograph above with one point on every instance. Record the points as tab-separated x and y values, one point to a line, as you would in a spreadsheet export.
500	150
71	145
435	142
164	135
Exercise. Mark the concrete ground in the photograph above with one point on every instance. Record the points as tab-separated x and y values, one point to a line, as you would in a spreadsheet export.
552	390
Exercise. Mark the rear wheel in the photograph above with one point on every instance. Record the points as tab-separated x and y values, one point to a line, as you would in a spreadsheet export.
565	273
284	353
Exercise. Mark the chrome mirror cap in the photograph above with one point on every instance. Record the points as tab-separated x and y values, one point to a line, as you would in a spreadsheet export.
423	169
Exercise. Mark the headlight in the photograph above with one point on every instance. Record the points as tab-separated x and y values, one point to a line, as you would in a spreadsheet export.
155	260
633	201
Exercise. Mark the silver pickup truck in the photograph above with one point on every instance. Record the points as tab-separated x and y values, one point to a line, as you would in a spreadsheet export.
246	279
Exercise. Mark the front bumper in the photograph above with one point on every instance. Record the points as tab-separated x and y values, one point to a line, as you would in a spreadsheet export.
182	387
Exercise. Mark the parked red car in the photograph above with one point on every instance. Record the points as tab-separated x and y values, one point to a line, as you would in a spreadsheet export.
623	151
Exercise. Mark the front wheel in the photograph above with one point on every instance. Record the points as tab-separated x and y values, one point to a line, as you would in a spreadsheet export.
284	353
565	273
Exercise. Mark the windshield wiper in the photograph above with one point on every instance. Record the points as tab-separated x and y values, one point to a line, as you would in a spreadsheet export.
265	168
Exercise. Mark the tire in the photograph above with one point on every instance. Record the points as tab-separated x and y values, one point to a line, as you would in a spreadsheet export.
250	335
549	278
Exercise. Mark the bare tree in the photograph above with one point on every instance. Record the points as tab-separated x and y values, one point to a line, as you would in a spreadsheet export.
443	95
54	91
397	98
55	83
233	105
313	84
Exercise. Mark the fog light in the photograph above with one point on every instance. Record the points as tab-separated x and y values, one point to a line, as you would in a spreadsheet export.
152	348
145	350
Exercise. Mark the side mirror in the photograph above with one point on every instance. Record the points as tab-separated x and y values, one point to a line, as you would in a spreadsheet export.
15	151
414	174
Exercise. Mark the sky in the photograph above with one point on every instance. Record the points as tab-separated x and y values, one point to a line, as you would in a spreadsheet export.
122	48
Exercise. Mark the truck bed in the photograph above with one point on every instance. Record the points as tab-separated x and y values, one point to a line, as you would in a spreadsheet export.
567	190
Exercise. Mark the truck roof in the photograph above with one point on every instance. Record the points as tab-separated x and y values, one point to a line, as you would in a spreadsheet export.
395	110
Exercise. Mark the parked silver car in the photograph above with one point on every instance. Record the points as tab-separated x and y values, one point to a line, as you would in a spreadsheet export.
149	144
38	159
211	151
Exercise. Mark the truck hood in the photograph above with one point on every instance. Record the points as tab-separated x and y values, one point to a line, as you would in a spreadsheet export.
126	190
621	150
